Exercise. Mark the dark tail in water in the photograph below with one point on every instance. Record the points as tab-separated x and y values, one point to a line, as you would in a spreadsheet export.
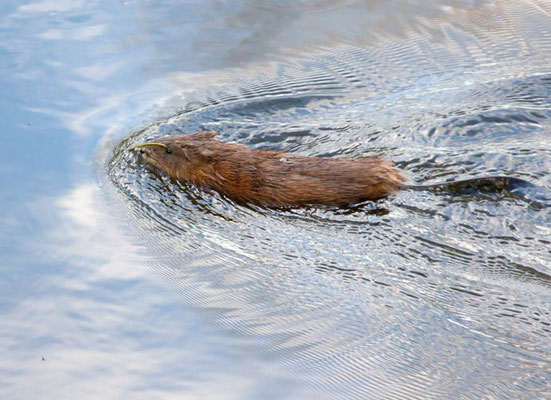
515	187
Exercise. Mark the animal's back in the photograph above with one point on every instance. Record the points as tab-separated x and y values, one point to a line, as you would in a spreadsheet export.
281	179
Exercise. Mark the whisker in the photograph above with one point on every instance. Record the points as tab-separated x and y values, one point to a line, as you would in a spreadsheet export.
148	144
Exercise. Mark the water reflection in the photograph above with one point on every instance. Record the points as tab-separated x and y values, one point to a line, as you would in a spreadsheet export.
433	275
420	296
86	320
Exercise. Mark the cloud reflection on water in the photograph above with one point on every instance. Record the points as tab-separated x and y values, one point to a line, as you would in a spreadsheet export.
75	291
103	326
49	6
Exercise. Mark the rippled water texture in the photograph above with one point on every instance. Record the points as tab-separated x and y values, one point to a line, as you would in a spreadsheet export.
424	295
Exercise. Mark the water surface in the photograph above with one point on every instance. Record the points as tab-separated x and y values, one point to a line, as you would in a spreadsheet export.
119	283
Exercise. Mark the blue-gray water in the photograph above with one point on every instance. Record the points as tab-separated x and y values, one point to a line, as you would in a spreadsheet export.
118	283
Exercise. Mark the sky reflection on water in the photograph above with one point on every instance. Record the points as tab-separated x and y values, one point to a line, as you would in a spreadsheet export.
88	311
82	318
72	289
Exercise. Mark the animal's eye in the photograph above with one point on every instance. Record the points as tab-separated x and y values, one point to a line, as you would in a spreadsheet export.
168	150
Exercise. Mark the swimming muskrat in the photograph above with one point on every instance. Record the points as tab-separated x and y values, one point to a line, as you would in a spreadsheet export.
277	179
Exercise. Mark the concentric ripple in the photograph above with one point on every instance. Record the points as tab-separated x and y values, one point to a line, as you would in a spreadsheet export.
423	295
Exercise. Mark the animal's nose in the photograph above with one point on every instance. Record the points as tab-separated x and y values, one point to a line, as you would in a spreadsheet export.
142	151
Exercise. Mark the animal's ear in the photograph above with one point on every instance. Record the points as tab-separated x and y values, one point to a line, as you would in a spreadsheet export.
197	152
186	152
205	135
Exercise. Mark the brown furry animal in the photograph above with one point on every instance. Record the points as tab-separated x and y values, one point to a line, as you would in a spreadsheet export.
270	178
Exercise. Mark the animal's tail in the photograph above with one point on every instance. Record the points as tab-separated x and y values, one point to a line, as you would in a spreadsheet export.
516	187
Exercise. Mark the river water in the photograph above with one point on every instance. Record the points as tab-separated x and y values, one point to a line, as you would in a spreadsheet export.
119	283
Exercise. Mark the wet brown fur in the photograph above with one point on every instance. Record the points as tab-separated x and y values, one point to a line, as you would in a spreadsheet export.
271	178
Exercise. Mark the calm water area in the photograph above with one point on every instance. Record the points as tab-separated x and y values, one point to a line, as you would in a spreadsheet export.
118	283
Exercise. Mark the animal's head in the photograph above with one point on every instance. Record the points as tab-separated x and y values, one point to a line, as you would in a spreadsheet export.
178	156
